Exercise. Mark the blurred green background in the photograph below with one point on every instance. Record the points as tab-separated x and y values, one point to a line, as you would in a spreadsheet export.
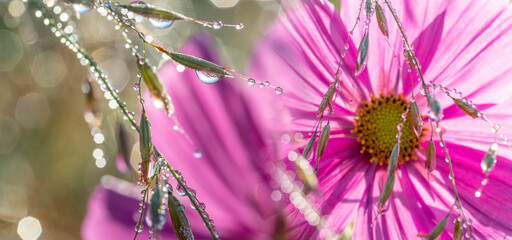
47	169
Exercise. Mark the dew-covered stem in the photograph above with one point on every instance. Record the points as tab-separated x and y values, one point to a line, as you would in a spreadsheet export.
440	133
409	49
91	62
143	207
193	199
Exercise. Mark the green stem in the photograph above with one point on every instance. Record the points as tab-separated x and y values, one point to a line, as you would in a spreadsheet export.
451	167
143	207
409	49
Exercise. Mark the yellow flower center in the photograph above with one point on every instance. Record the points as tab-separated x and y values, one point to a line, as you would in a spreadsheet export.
376	128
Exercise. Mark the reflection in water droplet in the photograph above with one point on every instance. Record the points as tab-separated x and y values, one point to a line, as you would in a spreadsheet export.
180	191
80	8
139	4
279	90
160	23
208	78
239	26
198	153
217	25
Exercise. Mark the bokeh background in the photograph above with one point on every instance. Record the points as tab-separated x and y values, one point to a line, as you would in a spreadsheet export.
47	167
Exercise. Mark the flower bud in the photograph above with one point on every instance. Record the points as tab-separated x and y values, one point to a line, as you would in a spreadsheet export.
381	19
362	54
179	219
430	161
467	108
146	146
489	159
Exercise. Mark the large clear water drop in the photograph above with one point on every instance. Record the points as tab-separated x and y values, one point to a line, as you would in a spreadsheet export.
160	23
208	77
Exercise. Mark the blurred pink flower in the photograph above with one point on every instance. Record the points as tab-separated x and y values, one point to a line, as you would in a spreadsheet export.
229	177
459	44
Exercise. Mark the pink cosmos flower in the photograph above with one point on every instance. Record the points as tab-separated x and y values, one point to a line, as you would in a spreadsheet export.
463	45
228	177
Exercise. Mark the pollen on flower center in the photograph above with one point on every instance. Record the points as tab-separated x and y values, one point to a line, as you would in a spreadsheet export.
376	129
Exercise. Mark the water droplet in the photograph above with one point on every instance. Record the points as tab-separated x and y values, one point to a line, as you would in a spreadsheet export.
278	90
217	25
198	153
139	4
192	206
160	23
262	85
138	229
267	83
484	182
251	81
180	191
80	8
208	78
239	26
478	193
139	74
136	87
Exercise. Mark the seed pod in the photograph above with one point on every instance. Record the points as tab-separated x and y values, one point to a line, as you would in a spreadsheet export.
436	231
381	19
417	122
148	11
457	230
155	87
393	159
326	100
489	159
467	108
179	219
198	64
124	145
322	142
430	162
386	192
362	54
157	215
146	146
309	147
